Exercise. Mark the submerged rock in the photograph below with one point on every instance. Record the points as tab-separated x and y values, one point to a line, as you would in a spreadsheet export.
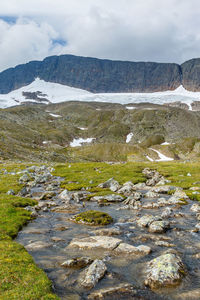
159	226
121	290
39	245
165	270
89	278
125	248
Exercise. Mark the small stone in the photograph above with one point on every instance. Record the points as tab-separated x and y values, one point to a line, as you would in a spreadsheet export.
39	245
125	248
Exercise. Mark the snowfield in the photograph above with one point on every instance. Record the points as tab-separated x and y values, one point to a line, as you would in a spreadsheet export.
55	93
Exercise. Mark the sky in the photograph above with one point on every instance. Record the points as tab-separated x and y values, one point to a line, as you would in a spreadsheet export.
134	30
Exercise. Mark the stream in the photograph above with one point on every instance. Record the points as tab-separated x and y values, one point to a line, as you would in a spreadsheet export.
55	230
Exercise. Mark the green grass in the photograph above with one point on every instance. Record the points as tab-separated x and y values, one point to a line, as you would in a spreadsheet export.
93	217
20	278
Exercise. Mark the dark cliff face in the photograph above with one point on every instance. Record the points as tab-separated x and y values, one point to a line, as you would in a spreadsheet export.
94	75
191	74
103	76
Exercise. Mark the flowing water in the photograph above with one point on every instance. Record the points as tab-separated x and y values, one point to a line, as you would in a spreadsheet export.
56	229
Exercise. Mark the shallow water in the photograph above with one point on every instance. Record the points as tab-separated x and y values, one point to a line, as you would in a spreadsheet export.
120	268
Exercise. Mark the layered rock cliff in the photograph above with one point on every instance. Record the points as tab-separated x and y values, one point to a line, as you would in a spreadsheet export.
102	76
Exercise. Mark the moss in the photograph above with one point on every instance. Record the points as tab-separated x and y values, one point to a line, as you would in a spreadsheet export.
93	217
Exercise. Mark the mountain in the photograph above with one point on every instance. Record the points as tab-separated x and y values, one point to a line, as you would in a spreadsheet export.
99	75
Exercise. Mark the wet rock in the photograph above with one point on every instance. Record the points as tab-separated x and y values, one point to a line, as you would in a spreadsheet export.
96	242
79	262
164	244
141	186
125	248
24	179
197	226
61	227
167	213
124	290
146	220
193	294
93	274
179	193
39	245
151	194
111	184
109	198
108	231
162	189
176	200
165	270
195	208
57	239
65	196
127	188
159	226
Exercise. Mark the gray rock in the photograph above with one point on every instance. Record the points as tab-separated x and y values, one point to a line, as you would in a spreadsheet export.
93	274
125	248
65	196
165	270
167	212
151	194
195	207
111	184
107	231
159	226
24	179
127	188
95	242
39	245
146	220
10	192
79	262
115	292
109	198
162	189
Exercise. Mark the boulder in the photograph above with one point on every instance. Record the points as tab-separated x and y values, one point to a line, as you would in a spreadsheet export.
127	188
146	220
162	189
95	242
165	270
151	194
90	277
111	184
159	226
65	196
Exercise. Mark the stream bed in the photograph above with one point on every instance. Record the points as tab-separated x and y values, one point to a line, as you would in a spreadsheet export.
55	231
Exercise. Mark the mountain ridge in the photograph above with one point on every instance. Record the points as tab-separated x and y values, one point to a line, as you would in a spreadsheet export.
103	75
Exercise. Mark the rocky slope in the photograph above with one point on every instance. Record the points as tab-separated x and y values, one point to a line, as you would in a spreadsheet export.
105	131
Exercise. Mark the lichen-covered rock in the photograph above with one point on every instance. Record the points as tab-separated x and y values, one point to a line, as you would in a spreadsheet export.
89	278
165	270
121	290
127	188
195	208
151	194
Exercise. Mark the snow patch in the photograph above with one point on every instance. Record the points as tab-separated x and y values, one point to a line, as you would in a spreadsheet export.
82	128
161	156
149	158
80	141
56	93
129	137
131	107
55	116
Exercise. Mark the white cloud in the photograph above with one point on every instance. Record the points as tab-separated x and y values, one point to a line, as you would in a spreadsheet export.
150	30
